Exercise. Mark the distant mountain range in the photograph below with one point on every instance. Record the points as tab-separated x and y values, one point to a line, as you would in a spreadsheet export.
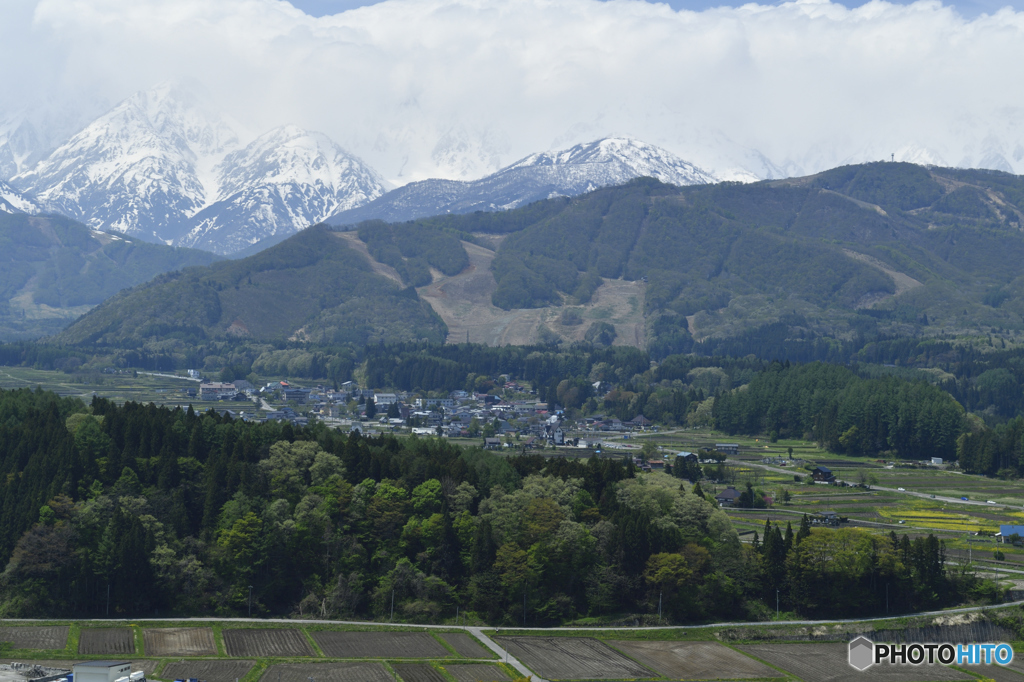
570	172
164	167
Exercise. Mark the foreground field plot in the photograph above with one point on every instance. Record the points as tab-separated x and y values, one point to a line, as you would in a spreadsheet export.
45	637
418	672
695	660
327	672
106	641
572	658
828	663
211	671
266	642
379	645
180	642
465	645
477	672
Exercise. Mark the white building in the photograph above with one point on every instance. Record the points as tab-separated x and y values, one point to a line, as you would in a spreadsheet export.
385	399
101	671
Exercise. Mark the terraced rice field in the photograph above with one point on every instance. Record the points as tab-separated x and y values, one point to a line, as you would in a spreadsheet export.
695	660
106	641
327	672
263	642
36	637
418	672
572	658
379	645
179	642
210	671
828	663
477	672
465	645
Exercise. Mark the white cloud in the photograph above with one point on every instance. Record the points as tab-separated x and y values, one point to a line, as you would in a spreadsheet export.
439	87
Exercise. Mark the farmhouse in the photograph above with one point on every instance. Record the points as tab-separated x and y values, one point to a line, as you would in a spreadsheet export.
825	518
1007	532
727	497
820	473
728	448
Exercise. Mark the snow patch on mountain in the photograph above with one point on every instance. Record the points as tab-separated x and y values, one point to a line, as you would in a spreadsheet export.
13	201
567	172
282	182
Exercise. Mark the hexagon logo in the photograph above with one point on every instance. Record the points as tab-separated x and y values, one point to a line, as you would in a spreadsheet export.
862	653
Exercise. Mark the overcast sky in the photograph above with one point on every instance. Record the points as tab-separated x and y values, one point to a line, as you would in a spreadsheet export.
449	88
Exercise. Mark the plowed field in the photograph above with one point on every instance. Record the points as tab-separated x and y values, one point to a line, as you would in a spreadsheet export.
106	641
419	672
695	660
572	658
180	642
327	672
266	642
477	672
829	663
379	645
465	645
211	671
47	637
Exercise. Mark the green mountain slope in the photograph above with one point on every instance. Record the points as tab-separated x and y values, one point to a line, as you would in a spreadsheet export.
53	269
310	287
888	247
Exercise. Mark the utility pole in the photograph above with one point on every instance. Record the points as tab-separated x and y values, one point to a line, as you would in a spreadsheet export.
776	604
887	597
250	601
108	599
392	604
660	595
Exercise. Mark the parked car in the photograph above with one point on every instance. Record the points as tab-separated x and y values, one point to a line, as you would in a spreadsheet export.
902	490
989	502
964	498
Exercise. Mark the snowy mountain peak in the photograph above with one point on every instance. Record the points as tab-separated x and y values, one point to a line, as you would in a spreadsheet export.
135	169
625	157
567	172
283	181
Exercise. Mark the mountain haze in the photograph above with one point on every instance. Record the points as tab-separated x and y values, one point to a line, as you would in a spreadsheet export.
53	270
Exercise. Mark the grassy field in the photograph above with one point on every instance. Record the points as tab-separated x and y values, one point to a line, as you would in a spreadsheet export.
144	387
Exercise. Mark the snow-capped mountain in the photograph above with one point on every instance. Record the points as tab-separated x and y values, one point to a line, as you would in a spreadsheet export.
568	172
284	180
138	168
13	201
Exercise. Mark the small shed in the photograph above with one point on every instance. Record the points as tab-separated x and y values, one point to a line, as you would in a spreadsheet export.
101	671
728	448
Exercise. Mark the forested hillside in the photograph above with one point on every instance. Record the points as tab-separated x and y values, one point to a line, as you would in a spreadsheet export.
183	513
311	287
53	269
895	247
